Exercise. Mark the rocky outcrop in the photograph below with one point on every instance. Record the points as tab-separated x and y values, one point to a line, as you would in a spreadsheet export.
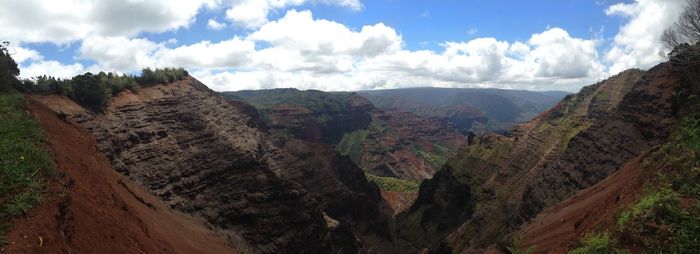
309	115
579	142
403	145
205	157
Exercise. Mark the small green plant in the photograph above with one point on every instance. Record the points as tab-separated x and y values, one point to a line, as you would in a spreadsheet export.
517	248
596	243
394	184
21	203
25	162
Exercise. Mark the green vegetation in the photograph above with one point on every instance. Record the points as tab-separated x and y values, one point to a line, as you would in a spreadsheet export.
667	218
25	163
161	76
352	145
517	248
394	184
596	243
94	91
8	69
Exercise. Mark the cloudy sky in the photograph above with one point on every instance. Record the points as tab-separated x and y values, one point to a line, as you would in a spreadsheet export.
343	44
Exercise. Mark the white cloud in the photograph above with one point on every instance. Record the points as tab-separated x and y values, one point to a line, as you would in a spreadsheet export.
301	32
304	52
637	44
300	51
214	25
51	68
20	54
123	54
64	21
118	53
253	14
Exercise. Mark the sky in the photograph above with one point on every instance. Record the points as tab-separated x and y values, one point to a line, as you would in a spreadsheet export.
343	45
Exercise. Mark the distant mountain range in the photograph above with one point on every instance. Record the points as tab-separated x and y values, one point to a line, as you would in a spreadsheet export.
502	107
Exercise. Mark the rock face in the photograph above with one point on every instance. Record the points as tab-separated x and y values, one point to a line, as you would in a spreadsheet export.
310	115
403	145
206	157
507	180
391	143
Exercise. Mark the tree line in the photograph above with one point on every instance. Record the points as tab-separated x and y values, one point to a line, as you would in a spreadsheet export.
94	91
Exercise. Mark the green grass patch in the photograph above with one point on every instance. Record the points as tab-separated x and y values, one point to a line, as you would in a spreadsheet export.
596	243
394	184
352	145
667	218
25	162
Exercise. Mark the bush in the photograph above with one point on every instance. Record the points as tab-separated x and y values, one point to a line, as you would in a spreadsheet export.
596	243
394	184
91	92
95	91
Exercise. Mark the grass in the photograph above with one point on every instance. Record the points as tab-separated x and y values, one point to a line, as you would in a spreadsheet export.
596	243
666	219
517	248
25	162
352	145
394	184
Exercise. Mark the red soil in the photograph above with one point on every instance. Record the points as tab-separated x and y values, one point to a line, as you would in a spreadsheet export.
92	209
399	201
558	228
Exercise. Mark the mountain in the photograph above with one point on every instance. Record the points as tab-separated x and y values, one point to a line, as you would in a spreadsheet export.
499	182
383	142
87	207
402	145
310	115
501	107
205	157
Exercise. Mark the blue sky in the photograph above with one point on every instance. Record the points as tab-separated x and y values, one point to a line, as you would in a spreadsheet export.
344	44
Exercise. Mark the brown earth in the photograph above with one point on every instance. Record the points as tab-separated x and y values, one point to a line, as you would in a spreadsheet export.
399	201
408	146
558	228
504	181
206	157
92	209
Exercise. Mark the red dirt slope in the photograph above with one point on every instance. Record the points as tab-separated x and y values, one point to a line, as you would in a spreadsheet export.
558	228
92	209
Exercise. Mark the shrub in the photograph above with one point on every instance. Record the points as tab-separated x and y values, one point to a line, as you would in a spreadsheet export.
90	91
596	243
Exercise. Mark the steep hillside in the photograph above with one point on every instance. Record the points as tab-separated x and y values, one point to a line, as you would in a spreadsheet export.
92	209
203	156
498	182
310	115
501	107
402	145
382	142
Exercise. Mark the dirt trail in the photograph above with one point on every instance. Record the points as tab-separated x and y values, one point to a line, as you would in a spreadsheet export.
95	210
558	228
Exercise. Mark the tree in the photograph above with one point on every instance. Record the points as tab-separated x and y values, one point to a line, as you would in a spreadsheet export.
90	91
8	69
686	30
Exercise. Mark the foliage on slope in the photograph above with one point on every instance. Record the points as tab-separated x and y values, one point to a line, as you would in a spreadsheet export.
95	90
25	162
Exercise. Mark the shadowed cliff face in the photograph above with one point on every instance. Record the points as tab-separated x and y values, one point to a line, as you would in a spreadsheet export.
205	157
310	115
509	179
